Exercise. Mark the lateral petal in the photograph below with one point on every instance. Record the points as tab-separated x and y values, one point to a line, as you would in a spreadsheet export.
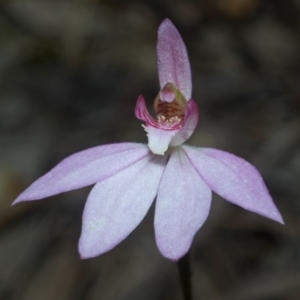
172	58
141	112
118	204
234	179
191	120
84	168
182	206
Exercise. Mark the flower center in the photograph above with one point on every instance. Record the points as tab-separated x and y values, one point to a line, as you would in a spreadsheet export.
170	106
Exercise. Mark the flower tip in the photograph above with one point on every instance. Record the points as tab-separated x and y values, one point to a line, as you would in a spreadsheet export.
174	257
167	26
17	200
156	150
274	215
279	219
166	22
140	107
140	100
81	256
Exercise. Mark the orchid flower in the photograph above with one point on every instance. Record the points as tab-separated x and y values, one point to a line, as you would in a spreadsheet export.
129	176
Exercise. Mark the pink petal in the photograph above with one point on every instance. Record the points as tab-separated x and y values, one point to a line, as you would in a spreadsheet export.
172	58
158	139
182	206
141	112
190	123
118	204
84	168
234	179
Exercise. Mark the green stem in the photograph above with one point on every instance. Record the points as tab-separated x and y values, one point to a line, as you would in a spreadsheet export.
185	275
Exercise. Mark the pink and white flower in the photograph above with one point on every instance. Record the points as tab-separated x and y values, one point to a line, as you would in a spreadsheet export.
129	176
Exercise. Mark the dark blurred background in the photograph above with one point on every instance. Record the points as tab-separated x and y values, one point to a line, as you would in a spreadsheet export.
70	73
